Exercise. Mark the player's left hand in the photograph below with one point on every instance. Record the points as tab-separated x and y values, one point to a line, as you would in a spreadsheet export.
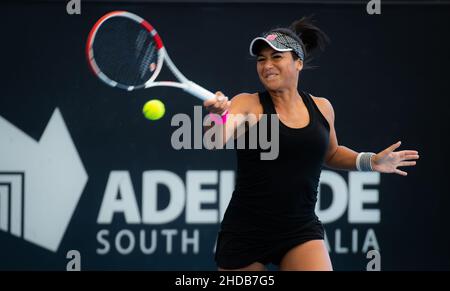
387	161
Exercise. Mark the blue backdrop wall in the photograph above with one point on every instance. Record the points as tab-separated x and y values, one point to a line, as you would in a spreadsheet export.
82	169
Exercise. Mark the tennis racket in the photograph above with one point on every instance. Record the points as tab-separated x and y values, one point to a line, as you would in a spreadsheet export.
126	52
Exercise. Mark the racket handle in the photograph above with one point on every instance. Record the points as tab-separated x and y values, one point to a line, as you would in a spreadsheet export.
198	91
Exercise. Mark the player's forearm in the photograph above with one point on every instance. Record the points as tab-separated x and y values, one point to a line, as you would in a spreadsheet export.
343	159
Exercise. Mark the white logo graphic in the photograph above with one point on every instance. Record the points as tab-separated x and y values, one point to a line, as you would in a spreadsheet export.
354	202
40	182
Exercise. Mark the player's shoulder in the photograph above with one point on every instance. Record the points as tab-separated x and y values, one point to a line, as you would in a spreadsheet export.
246	97
324	106
246	103
321	101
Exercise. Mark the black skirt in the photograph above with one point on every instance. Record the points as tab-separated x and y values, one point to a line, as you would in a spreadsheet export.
237	249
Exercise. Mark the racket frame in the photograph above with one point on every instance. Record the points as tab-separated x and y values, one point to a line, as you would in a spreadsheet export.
185	84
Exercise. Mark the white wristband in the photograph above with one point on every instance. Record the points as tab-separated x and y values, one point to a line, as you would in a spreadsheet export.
364	162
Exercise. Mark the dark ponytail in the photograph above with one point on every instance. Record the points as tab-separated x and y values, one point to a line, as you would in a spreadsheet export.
309	36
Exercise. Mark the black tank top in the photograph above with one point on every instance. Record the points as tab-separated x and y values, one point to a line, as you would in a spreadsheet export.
279	195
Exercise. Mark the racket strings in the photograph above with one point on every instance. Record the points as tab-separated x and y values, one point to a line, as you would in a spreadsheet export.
147	58
125	51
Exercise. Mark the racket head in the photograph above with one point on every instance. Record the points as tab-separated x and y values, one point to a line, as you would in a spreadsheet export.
124	50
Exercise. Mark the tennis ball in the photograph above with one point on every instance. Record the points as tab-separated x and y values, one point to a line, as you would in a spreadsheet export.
154	109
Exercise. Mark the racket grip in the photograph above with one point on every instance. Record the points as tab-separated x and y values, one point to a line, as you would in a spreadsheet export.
198	91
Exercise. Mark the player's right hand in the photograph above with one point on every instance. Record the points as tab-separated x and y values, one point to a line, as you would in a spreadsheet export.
218	105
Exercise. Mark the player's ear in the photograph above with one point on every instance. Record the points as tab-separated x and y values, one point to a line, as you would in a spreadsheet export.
298	65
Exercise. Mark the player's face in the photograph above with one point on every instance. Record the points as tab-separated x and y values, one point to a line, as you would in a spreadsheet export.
277	70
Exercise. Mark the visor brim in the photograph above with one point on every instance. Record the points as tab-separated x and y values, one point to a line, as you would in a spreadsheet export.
256	44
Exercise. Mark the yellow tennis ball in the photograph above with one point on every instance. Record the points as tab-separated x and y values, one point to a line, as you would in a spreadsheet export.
154	109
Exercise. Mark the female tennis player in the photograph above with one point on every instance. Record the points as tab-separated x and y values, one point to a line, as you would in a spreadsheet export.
271	218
